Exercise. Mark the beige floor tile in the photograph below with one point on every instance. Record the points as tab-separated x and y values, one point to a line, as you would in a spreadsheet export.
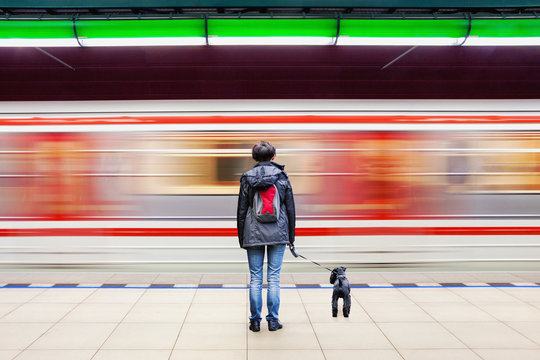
315	296
284	278
362	354
512	311
59	296
350	336
220	296
94	313
439	354
379	296
132	278
74	336
311	278
166	296
56	355
13	277
483	295
364	278
506	354
489	335
292	336
322	313
288	296
178	279
132	355
396	312
533	276
214	313
285	354
461	311
114	296
406	277
431	295
420	336
531	329
157	313
35	313
8	354
524	294
18	295
6	308
143	336
451	277
208	355
240	279
291	313
19	336
496	276
212	337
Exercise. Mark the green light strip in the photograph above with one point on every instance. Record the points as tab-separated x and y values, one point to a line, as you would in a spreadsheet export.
506	28
140	28
271	27
404	28
36	30
265	28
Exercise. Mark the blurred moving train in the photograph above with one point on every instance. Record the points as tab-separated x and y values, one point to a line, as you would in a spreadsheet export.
152	185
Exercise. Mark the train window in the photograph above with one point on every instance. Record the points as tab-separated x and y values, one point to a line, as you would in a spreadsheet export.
231	165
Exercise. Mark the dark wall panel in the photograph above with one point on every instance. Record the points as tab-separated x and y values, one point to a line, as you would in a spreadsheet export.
269	72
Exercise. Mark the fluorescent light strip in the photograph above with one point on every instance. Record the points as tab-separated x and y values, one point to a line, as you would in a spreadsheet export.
399	41
502	41
144	41
271	40
67	42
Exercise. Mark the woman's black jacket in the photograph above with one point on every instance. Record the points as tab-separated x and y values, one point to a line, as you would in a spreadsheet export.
250	231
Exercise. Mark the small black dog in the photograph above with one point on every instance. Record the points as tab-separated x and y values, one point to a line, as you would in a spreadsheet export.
342	289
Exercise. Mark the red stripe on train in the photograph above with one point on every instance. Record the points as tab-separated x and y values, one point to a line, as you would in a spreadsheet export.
348	119
336	231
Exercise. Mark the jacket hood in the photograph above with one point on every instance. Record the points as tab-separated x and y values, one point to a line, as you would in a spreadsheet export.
264	174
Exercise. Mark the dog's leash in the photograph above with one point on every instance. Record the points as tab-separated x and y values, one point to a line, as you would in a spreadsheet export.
296	254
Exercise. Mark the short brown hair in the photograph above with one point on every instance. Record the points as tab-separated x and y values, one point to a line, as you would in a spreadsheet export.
263	151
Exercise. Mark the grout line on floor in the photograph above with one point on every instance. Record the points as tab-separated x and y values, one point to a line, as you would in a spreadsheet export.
119	322
32	298
312	328
182	326
434	319
378	327
54	324
494	318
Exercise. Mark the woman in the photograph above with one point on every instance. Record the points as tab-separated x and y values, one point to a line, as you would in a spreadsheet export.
272	235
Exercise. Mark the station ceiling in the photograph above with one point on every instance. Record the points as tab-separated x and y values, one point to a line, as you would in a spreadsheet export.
171	8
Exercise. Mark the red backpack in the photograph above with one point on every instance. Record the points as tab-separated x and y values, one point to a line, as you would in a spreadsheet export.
266	205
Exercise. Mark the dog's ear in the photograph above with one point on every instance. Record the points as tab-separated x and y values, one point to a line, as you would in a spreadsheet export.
333	277
344	268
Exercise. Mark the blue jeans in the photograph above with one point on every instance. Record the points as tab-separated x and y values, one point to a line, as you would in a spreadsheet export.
256	259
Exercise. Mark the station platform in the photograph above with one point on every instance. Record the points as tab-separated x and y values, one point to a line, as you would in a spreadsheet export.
161	316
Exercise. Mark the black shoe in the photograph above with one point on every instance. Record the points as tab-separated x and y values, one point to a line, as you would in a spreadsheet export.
274	325
254	325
